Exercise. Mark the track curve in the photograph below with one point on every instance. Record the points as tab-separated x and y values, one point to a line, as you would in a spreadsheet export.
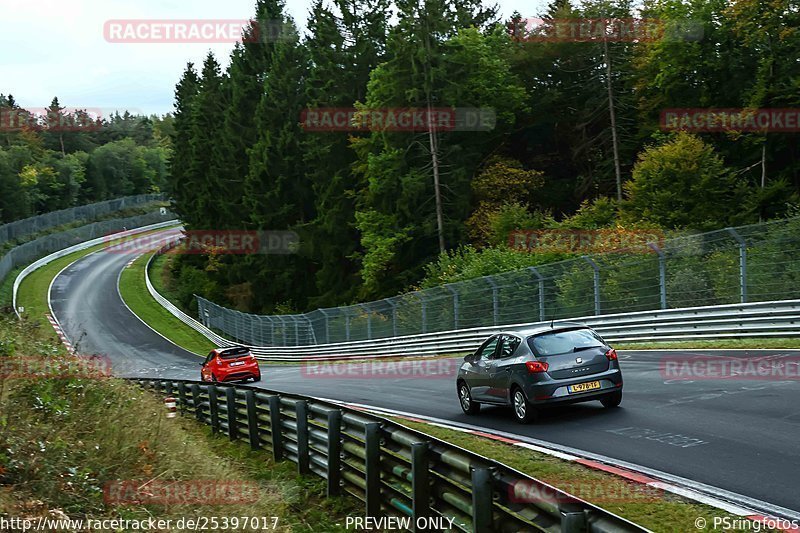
741	436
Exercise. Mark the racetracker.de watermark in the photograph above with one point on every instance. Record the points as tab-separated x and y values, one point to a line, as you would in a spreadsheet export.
766	368
56	367
583	30
196	31
376	369
586	241
331	119
595	491
228	242
783	120
191	492
47	119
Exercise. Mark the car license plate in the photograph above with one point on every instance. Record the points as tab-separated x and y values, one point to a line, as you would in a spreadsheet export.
583	387
237	363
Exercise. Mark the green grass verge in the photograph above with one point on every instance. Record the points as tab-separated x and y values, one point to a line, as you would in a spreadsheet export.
64	438
730	344
33	291
134	292
655	510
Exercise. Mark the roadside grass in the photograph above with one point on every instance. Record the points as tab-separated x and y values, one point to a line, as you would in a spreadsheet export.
134	293
730	344
161	278
7	286
652	508
57	447
65	438
33	291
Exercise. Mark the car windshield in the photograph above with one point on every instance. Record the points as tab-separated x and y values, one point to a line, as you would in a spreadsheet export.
564	342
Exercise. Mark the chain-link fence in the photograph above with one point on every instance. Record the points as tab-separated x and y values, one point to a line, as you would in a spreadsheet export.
28	226
753	263
32	250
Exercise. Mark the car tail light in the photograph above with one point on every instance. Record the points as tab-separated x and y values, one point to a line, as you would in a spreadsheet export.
611	354
536	367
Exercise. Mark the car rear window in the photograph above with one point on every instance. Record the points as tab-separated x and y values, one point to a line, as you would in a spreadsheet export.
233	353
564	341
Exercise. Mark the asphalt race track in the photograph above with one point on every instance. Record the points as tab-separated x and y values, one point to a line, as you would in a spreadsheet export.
742	436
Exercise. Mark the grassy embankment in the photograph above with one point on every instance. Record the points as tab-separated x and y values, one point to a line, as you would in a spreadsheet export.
65	437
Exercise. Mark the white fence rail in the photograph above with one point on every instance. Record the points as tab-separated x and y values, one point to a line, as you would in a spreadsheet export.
70	249
762	319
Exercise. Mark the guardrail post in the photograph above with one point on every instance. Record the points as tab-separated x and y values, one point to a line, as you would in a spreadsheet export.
541	292
393	305
363	307
495	301
283	329
372	458
596	278
346	326
182	401
213	407
742	264
573	518
275	427
455	304
168	388
420	484
271	331
230	404
334	453
327	326
198	412
662	273
482	500
252	420
301	410
424	311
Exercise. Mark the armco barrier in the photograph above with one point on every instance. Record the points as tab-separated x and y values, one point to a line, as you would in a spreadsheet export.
761	319
755	263
393	470
64	243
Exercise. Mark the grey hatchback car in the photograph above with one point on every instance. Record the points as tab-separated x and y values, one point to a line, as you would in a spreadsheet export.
541	366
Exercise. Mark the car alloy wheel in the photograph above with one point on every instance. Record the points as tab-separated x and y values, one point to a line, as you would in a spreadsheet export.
523	411
464	397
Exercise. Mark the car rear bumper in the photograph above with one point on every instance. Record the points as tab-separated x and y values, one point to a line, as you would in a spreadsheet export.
244	372
557	391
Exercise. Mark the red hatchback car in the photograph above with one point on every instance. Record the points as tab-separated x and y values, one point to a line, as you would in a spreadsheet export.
230	364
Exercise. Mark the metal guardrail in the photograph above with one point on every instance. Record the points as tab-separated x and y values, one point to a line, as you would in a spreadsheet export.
172	308
761	319
64	243
393	470
755	263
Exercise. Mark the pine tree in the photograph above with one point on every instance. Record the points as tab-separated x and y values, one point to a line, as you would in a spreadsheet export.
249	65
205	166
181	184
342	53
277	196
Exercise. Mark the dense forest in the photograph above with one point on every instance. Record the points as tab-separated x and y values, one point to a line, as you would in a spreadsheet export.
577	141
56	158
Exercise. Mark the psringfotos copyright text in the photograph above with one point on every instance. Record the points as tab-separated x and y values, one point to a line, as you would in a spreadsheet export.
729	523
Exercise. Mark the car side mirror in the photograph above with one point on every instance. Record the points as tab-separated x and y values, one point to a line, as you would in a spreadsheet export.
202	364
